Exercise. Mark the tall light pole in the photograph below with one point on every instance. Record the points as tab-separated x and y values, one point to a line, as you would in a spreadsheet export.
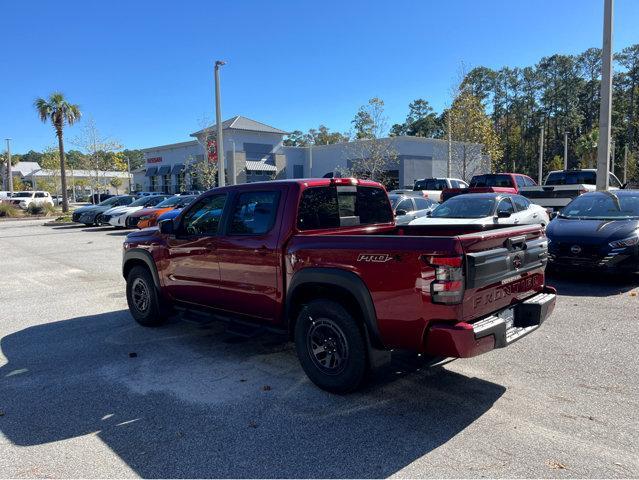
625	164
612	157
603	149
449	160
540	173
9	172
565	150
219	142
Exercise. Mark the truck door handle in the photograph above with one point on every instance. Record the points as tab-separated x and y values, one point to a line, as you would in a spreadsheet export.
261	251
210	247
534	215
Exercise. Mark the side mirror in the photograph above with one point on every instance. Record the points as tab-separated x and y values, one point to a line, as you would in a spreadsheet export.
400	212
167	227
624	186
503	214
429	213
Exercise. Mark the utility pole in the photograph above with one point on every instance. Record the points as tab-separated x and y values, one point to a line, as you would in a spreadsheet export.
128	171
540	173
603	149
449	162
9	172
565	150
625	164
219	142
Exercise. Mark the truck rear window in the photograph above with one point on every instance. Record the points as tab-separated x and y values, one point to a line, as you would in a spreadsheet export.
343	206
576	177
491	181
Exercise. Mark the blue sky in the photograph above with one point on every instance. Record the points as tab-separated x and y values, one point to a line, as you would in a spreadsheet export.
143	70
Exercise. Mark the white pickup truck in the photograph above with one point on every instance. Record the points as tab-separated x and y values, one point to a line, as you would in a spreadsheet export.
432	188
561	186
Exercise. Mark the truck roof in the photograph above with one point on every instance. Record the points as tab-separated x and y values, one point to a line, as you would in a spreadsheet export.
306	182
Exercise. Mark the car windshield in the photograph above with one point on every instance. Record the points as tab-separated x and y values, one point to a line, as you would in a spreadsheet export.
109	201
465	207
394	199
140	202
169	202
491	181
22	194
603	206
185	200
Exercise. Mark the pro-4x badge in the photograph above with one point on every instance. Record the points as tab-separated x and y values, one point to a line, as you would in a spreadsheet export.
374	257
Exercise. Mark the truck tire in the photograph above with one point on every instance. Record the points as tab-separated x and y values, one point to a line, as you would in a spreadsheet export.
143	299
330	346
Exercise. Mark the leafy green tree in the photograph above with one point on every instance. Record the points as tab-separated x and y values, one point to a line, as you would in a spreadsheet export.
421	121
135	157
60	112
296	139
116	183
470	125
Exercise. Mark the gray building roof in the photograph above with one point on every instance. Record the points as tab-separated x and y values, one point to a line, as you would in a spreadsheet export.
25	168
242	123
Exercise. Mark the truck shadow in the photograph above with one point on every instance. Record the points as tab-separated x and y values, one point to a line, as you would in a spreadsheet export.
188	401
591	284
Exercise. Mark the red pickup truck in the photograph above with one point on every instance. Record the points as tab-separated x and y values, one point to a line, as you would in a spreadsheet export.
323	261
492	182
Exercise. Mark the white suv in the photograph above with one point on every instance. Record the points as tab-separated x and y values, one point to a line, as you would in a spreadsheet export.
24	199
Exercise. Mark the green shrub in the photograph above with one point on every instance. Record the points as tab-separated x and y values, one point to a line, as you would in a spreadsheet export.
45	209
8	210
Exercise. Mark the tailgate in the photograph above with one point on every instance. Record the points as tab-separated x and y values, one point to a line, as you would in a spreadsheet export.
553	191
502	267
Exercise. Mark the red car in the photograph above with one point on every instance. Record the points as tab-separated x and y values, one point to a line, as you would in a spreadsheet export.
323	261
492	182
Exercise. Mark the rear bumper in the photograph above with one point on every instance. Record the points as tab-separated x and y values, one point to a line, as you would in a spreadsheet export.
464	340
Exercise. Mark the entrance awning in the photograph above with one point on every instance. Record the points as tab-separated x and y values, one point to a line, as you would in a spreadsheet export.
164	170
260	166
151	172
177	169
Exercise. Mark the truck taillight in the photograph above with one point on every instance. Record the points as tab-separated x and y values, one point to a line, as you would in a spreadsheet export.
448	286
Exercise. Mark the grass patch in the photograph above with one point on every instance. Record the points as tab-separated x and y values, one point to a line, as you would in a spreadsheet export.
9	211
44	209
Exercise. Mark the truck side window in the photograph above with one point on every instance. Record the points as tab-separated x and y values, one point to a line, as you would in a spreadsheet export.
204	217
254	213
520	181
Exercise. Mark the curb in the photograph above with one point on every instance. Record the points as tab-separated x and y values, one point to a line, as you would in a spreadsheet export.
22	219
58	224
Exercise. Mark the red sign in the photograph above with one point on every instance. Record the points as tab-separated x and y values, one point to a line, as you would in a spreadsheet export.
154	160
211	149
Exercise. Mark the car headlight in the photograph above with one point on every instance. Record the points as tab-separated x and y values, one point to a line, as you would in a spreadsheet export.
117	214
145	217
625	242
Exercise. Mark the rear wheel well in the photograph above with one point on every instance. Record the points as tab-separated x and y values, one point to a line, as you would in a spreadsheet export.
315	291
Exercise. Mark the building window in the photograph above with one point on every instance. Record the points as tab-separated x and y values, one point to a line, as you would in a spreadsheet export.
153	183
166	183
180	182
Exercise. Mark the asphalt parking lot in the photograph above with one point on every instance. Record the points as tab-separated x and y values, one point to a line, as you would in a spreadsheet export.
85	392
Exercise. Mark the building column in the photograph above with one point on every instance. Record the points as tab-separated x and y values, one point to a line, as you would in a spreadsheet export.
240	167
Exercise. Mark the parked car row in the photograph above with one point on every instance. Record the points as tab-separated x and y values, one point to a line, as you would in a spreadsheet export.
130	211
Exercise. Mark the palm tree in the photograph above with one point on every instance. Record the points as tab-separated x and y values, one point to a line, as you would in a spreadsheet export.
60	112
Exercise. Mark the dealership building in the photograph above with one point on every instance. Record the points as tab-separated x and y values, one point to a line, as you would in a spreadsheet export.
258	153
